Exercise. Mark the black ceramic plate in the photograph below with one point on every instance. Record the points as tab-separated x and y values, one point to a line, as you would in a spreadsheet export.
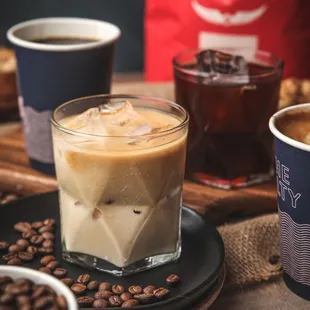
199	266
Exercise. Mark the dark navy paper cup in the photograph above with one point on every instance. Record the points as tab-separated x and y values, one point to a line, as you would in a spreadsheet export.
50	74
292	160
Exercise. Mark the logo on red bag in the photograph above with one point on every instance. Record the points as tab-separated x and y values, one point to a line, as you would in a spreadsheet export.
240	15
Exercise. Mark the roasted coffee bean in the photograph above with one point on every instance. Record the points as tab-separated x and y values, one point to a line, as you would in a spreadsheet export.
37	225
6	298
61	302
36	240
118	289
60	273
43	302
92	285
23	300
103	295
115	301
83	278
15	262
173	280
125	296
48	236
130	303
161	293
22	226
135	289
53	265
32	249
78	288
39	291
18	289
47	259
22	281
100	303
85	301
23	242
4	245
44	251
144	298
46	270
5	280
9	256
48	244
105	286
25	256
46	229
49	222
149	289
15	248
67	281
28	234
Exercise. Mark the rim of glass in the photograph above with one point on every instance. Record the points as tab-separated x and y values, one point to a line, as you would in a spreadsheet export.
278	66
122	96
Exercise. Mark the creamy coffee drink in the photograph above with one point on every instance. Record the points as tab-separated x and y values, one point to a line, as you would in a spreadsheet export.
295	125
120	178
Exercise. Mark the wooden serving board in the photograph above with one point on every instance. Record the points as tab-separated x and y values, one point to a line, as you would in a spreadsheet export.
16	176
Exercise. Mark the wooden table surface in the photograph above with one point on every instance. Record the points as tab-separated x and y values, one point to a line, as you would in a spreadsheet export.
16	176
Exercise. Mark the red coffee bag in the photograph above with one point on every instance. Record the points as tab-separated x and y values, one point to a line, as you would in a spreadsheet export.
278	26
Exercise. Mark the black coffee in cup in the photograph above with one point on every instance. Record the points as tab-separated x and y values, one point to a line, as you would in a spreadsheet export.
64	40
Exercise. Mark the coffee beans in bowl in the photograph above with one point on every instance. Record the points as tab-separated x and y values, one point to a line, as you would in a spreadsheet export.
24	288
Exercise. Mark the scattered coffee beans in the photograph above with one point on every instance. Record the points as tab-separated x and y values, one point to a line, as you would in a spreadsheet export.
130	303
78	288
47	259
161	293
135	289
53	265
23	243
38	238
22	226
4	245
105	286
67	281
173	280
144	298
37	225
25	256
118	289
93	285
115	301
149	289
15	248
60	272
125	296
46	270
103	295
83	278
85	301
100	303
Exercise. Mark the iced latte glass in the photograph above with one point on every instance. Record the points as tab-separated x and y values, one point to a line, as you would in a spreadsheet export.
120	168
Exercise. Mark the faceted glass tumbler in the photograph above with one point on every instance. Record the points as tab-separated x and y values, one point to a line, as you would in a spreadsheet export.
120	196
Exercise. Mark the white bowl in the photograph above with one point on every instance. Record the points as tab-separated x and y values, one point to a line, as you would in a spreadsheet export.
41	278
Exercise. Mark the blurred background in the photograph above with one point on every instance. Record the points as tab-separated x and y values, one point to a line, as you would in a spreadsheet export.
128	15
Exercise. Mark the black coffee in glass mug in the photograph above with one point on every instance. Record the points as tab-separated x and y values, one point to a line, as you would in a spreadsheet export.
230	96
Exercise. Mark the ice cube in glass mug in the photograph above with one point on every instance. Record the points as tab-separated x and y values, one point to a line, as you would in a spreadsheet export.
111	119
223	67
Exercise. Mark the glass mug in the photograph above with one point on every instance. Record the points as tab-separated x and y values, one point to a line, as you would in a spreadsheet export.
229	144
120	196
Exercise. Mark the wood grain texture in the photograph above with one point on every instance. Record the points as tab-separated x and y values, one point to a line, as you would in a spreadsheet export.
217	205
